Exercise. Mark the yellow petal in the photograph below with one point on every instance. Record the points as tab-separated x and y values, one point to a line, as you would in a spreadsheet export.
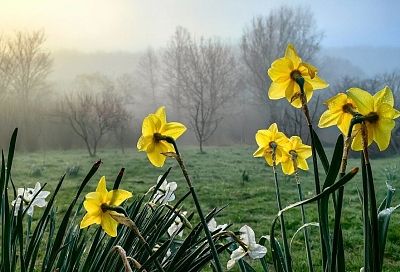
311	69
263	137
155	157
173	129
357	145
116	197
337	102
151	125
384	96
90	219
101	189
292	55
273	128
386	111
277	90
144	142
363	100
344	123
302	163
92	206
328	118
109	225
317	83
382	133
160	112
268	158
259	152
280	70
287	167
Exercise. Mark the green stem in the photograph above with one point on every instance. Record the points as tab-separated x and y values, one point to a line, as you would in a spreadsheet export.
197	204
367	227
304	221
372	205
300	81
283	227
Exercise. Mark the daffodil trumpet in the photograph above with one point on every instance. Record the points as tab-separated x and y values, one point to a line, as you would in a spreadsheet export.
203	221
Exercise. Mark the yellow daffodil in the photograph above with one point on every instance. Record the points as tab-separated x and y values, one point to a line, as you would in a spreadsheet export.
379	112
154	126
269	140
295	155
283	72
339	113
96	206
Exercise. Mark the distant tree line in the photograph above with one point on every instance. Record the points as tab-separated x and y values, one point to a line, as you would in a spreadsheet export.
217	88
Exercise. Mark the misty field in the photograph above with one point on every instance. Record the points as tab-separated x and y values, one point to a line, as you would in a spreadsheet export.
217	176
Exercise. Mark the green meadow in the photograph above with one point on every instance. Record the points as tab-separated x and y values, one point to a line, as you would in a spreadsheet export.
217	176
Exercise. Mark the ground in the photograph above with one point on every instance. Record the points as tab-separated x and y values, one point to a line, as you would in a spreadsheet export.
217	176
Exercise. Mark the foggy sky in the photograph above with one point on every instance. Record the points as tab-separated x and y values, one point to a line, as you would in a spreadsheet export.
131	25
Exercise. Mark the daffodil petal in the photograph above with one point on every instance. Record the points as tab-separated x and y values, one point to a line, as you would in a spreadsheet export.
384	96
101	187
151	124
109	225
160	112
363	100
173	129
263	137
90	219
382	133
155	157
92	206
277	90
259	152
257	251
302	163
317	83
292	55
344	123
280	70
118	196
144	142
328	119
287	167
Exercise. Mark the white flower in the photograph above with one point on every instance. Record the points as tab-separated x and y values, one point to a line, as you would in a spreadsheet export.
165	193
253	250
176	226
212	225
26	196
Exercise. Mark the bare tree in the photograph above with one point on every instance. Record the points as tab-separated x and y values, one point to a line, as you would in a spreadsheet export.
173	67
148	71
266	38
93	110
204	73
32	63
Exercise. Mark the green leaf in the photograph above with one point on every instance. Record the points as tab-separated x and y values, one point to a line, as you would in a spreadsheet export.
384	219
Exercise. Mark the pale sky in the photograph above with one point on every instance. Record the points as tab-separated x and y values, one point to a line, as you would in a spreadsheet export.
131	25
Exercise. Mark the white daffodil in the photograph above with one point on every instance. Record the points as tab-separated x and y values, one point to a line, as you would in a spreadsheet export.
253	250
28	196
176	226
212	225
165	193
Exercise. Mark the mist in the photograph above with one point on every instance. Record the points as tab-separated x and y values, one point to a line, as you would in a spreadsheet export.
124	49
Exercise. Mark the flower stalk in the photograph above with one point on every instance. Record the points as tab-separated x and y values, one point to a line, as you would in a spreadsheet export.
288	258
203	221
303	217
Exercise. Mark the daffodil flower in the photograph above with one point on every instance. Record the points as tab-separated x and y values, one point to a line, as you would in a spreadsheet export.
175	228
283	72
295	156
271	144
155	127
26	196
212	225
340	112
252	249
97	206
379	114
165	193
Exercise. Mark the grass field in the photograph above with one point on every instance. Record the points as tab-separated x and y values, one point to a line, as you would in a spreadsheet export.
217	176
